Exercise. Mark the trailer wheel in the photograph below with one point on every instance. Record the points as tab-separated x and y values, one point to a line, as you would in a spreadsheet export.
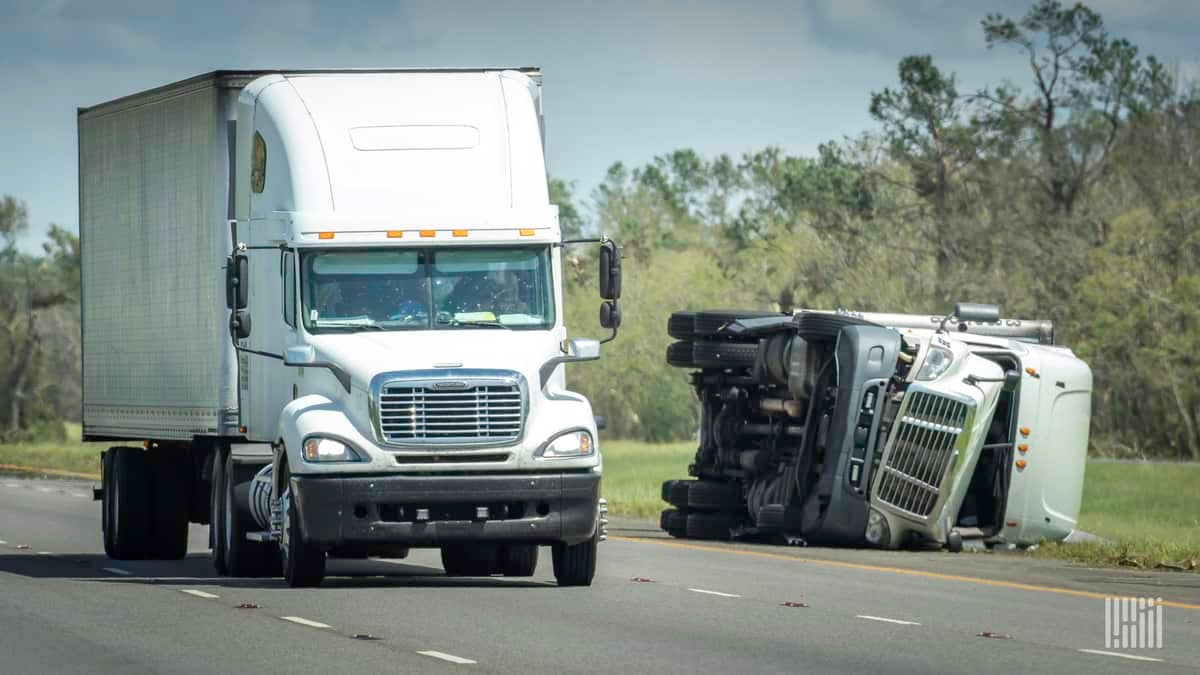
724	354
682	325
714	496
518	561
576	565
127	504
216	518
715	526
243	558
169	502
470	560
303	564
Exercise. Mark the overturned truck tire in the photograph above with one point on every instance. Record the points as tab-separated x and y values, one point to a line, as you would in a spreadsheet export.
708	323
679	354
724	354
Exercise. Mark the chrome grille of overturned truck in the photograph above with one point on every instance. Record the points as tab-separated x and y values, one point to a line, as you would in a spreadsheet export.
450	411
923	450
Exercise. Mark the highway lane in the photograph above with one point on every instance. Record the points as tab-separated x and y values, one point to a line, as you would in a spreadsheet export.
705	608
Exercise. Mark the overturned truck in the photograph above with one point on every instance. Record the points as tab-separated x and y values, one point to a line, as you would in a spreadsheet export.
888	430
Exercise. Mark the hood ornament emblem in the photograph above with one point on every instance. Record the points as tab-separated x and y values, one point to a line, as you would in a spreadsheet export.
450	385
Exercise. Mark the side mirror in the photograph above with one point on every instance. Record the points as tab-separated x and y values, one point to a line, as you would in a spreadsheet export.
610	315
1012	380
239	324
610	270
601	422
973	311
578	349
300	355
237	286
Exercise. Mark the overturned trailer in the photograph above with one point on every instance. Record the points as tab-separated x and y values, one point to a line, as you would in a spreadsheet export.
890	430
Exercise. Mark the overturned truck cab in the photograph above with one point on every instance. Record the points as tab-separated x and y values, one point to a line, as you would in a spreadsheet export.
888	430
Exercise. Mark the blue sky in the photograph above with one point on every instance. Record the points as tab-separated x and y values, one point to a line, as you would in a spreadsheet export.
623	80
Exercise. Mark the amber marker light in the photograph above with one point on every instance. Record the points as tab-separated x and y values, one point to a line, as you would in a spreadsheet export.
526	232
1024	431
325	235
1020	464
1023	447
428	234
395	234
460	233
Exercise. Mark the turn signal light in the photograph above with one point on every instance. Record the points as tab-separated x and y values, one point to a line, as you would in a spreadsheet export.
1020	464
325	235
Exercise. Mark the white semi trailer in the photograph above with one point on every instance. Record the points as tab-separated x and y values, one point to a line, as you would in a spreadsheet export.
329	306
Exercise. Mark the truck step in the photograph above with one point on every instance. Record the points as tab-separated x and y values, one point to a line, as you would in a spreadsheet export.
262	536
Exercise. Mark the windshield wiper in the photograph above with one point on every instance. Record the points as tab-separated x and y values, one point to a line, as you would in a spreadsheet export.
475	324
349	324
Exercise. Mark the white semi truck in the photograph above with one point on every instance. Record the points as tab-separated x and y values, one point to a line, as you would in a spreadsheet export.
329	306
860	428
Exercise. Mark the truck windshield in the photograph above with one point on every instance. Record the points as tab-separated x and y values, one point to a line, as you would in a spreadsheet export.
426	289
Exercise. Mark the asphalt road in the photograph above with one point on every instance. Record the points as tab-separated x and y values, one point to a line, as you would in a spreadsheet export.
658	605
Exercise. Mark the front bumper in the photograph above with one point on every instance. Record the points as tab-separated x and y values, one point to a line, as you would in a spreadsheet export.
541	508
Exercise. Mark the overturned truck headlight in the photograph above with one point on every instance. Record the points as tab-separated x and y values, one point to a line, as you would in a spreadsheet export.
937	361
878	532
574	443
318	449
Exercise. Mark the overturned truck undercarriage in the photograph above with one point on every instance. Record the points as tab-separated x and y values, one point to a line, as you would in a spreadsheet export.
834	429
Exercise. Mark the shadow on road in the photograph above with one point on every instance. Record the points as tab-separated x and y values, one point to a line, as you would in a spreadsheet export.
196	570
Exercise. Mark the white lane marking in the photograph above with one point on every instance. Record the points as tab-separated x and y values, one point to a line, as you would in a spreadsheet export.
445	657
45	489
1120	655
12	485
198	594
2	542
886	620
305	622
80	495
117	570
723	595
45	552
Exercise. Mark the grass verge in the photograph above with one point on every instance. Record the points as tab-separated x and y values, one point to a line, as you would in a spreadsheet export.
1147	511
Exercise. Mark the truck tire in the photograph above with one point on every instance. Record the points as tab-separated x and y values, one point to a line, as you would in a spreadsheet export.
679	354
818	327
303	564
216	521
106	472
470	560
576	565
714	526
127	504
675	492
673	522
709	322
724	354
169	489
714	496
682	325
518	561
243	558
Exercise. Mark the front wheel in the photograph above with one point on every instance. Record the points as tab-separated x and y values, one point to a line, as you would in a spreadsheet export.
303	563
575	565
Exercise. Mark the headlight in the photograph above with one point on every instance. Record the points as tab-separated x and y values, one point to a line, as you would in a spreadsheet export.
937	361
576	443
317	449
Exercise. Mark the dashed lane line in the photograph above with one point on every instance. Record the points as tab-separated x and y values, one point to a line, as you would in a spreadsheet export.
446	657
884	619
305	622
117	570
1133	657
199	594
717	593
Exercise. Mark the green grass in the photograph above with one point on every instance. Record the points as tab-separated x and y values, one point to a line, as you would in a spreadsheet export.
70	455
634	472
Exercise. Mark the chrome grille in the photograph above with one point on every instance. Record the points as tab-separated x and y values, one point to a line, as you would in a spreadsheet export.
916	463
469	414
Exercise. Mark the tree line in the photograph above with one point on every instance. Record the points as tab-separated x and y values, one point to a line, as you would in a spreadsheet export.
1072	194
